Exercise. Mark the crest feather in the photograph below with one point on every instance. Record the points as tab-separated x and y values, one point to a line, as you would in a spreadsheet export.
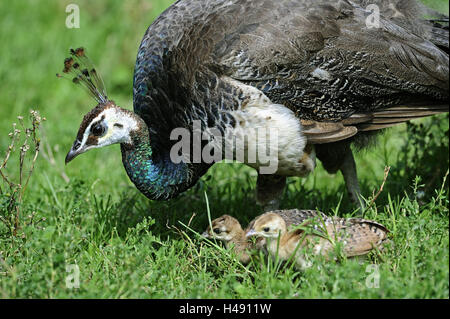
85	74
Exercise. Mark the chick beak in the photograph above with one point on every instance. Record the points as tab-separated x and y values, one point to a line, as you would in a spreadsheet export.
251	233
206	235
74	151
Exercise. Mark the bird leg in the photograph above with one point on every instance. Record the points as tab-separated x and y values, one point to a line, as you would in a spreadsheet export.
338	156
348	169
269	189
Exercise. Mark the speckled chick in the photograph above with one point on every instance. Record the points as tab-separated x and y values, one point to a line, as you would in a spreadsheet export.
228	230
318	235
291	217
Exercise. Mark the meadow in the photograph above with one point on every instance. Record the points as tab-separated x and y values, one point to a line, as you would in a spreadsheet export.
88	216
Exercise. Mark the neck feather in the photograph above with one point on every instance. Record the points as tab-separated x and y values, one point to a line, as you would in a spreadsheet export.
240	244
155	175
275	244
239	240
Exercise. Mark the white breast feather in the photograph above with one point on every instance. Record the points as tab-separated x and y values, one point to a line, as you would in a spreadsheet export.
261	115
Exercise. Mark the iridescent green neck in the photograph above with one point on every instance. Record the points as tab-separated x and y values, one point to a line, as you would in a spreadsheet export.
155	175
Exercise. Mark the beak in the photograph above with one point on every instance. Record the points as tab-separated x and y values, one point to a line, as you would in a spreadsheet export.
251	233
206	235
74	151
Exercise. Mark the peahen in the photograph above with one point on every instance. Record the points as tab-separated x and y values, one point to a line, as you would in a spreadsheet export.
323	74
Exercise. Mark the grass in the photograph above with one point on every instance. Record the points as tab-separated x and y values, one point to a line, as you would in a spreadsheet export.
88	213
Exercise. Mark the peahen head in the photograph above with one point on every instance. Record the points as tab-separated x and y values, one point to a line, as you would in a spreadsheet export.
106	123
153	173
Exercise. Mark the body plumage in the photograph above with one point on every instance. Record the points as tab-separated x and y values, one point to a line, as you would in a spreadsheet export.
313	70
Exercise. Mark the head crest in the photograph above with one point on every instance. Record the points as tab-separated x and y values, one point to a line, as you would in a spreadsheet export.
83	70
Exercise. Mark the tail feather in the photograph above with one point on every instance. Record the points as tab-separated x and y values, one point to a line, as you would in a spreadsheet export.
396	115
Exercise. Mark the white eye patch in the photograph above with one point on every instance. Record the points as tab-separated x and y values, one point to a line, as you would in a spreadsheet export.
111	126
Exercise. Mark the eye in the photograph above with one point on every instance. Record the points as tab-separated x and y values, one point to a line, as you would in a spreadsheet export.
98	129
217	230
266	229
76	145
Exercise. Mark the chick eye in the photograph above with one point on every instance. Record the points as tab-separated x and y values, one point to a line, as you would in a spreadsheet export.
217	230
266	229
98	129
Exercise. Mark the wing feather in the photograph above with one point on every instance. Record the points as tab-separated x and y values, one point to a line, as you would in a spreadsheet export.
319	58
326	132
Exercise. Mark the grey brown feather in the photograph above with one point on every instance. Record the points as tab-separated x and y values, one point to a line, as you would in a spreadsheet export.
318	58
